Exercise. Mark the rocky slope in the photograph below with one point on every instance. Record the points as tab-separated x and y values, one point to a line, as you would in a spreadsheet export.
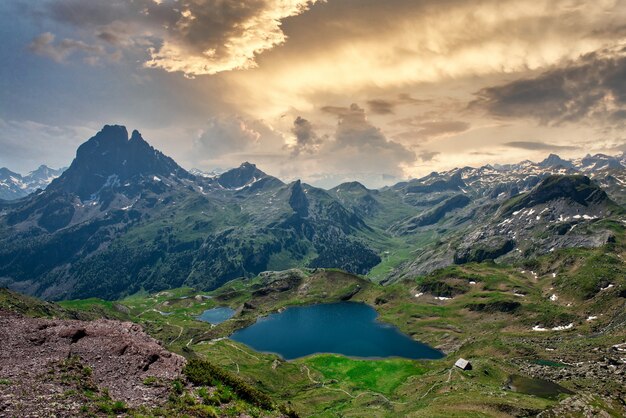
47	365
559	212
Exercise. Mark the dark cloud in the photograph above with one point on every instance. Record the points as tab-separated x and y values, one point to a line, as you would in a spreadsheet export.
335	110
539	146
307	139
109	37
593	86
194	37
386	107
483	153
380	106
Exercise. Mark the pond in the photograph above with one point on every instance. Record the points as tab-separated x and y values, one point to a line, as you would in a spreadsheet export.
216	315
346	328
536	387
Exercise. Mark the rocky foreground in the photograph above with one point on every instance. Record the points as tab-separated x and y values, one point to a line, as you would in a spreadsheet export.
48	367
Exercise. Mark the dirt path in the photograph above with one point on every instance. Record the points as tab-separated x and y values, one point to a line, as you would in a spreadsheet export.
243	351
439	383
179	333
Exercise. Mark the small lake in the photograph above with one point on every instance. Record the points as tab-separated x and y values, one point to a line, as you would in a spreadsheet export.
216	315
536	387
346	328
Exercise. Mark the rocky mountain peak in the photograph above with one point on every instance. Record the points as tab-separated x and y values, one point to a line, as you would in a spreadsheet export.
298	200
243	175
6	173
136	136
575	188
554	160
351	186
110	157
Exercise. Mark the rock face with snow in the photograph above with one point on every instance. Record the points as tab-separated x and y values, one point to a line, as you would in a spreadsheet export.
127	212
554	214
242	176
554	160
558	211
122	205
15	186
110	159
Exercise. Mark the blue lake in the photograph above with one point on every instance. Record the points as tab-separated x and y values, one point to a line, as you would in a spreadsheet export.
216	315
346	328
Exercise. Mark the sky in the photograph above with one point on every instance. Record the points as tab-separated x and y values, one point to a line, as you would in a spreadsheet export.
323	90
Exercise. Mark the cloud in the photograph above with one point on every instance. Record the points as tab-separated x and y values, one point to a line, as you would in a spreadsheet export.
592	86
380	106
224	135
426	130
405	98
192	37
306	139
539	146
426	156
387	106
354	47
335	110
228	140
356	150
45	45
360	147
248	29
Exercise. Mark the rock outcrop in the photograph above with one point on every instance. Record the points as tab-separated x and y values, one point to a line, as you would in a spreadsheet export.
44	361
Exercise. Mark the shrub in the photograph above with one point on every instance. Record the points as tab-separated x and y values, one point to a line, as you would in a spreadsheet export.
201	372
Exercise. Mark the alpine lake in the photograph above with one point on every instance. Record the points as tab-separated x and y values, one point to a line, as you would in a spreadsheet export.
346	328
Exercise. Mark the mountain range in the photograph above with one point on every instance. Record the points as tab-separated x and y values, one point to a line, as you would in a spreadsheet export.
15	186
124	217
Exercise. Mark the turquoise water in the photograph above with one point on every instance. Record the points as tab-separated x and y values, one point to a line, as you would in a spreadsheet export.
346	328
216	315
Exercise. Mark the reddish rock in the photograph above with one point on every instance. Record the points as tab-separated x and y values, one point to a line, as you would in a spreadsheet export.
120	355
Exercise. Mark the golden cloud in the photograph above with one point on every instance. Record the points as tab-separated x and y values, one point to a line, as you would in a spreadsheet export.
246	39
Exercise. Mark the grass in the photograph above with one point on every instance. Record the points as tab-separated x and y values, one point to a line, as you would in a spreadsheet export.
382	376
594	272
332	385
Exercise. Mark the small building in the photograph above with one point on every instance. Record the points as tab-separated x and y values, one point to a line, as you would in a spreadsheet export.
463	364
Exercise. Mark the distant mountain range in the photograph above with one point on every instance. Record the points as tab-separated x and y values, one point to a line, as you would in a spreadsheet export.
15	186
125	217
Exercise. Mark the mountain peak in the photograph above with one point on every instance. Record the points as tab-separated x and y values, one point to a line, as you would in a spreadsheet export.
110	154
575	188
298	200
554	160
136	136
113	132
241	176
350	186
